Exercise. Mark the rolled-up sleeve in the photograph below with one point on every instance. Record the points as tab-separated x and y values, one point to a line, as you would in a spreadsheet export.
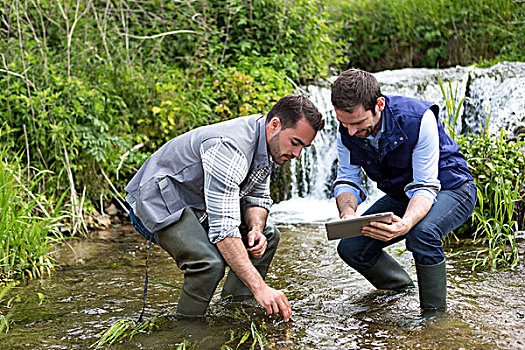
260	195
348	176
425	160
225	167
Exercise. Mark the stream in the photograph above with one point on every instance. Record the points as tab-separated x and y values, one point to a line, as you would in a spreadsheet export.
101	281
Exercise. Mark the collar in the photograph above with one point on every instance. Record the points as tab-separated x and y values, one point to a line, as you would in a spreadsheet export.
261	158
394	134
380	132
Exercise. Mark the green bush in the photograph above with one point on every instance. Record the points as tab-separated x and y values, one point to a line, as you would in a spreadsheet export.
69	123
292	36
392	34
93	88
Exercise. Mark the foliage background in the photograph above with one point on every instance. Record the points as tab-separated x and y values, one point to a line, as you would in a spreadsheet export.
92	87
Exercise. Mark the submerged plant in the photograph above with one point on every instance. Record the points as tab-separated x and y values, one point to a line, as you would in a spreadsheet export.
253	334
123	328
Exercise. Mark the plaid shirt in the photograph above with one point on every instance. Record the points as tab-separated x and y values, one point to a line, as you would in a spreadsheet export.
230	188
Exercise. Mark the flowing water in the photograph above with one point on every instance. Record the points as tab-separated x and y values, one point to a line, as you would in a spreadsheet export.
100	279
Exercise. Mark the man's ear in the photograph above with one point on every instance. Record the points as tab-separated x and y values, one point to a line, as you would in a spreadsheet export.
273	127
275	123
381	103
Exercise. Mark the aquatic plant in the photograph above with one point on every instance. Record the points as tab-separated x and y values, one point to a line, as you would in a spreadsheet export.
454	107
497	163
253	334
123	328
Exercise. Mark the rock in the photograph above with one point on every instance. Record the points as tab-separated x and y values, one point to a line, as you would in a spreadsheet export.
111	210
104	220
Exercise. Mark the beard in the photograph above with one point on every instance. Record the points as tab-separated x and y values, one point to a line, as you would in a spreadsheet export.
275	150
364	133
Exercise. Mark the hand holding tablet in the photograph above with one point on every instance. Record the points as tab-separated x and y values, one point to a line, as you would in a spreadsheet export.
344	228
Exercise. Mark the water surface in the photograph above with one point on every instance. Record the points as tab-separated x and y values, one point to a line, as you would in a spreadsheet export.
101	280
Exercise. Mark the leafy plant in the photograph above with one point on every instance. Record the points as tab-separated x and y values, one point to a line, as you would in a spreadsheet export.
497	164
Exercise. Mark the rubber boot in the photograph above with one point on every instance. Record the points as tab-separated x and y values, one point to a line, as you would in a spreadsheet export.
233	287
388	274
432	283
187	242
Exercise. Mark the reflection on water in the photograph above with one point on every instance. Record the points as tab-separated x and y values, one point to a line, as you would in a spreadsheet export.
101	281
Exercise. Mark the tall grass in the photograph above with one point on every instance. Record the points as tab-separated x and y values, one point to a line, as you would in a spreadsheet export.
497	163
29	224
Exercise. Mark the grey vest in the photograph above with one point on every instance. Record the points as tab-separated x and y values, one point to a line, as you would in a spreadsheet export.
173	178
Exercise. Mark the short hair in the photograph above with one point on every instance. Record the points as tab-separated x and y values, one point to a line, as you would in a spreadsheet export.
292	108
355	87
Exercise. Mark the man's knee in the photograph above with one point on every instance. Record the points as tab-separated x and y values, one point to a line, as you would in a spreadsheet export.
424	241
206	265
424	234
273	235
346	251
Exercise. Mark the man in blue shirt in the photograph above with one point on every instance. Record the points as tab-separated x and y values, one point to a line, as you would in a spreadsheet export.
401	145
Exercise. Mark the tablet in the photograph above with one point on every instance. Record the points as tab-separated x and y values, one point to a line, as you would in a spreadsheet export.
344	228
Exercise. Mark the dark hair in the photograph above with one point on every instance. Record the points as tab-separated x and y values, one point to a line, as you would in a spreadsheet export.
355	87
292	108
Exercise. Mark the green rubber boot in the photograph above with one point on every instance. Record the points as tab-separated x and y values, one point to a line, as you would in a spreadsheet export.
432	283
203	265
388	274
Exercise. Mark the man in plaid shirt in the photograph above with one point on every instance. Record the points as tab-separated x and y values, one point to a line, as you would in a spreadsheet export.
204	197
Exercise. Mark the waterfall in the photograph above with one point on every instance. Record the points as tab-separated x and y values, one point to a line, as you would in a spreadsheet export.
496	92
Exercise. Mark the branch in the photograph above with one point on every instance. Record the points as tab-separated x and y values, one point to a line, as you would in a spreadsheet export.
41	44
102	32
159	35
125	26
119	197
9	29
77	18
24	65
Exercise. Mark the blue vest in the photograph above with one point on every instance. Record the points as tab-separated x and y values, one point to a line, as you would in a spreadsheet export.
390	166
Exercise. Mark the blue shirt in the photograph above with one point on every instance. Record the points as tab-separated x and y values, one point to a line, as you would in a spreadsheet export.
425	161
